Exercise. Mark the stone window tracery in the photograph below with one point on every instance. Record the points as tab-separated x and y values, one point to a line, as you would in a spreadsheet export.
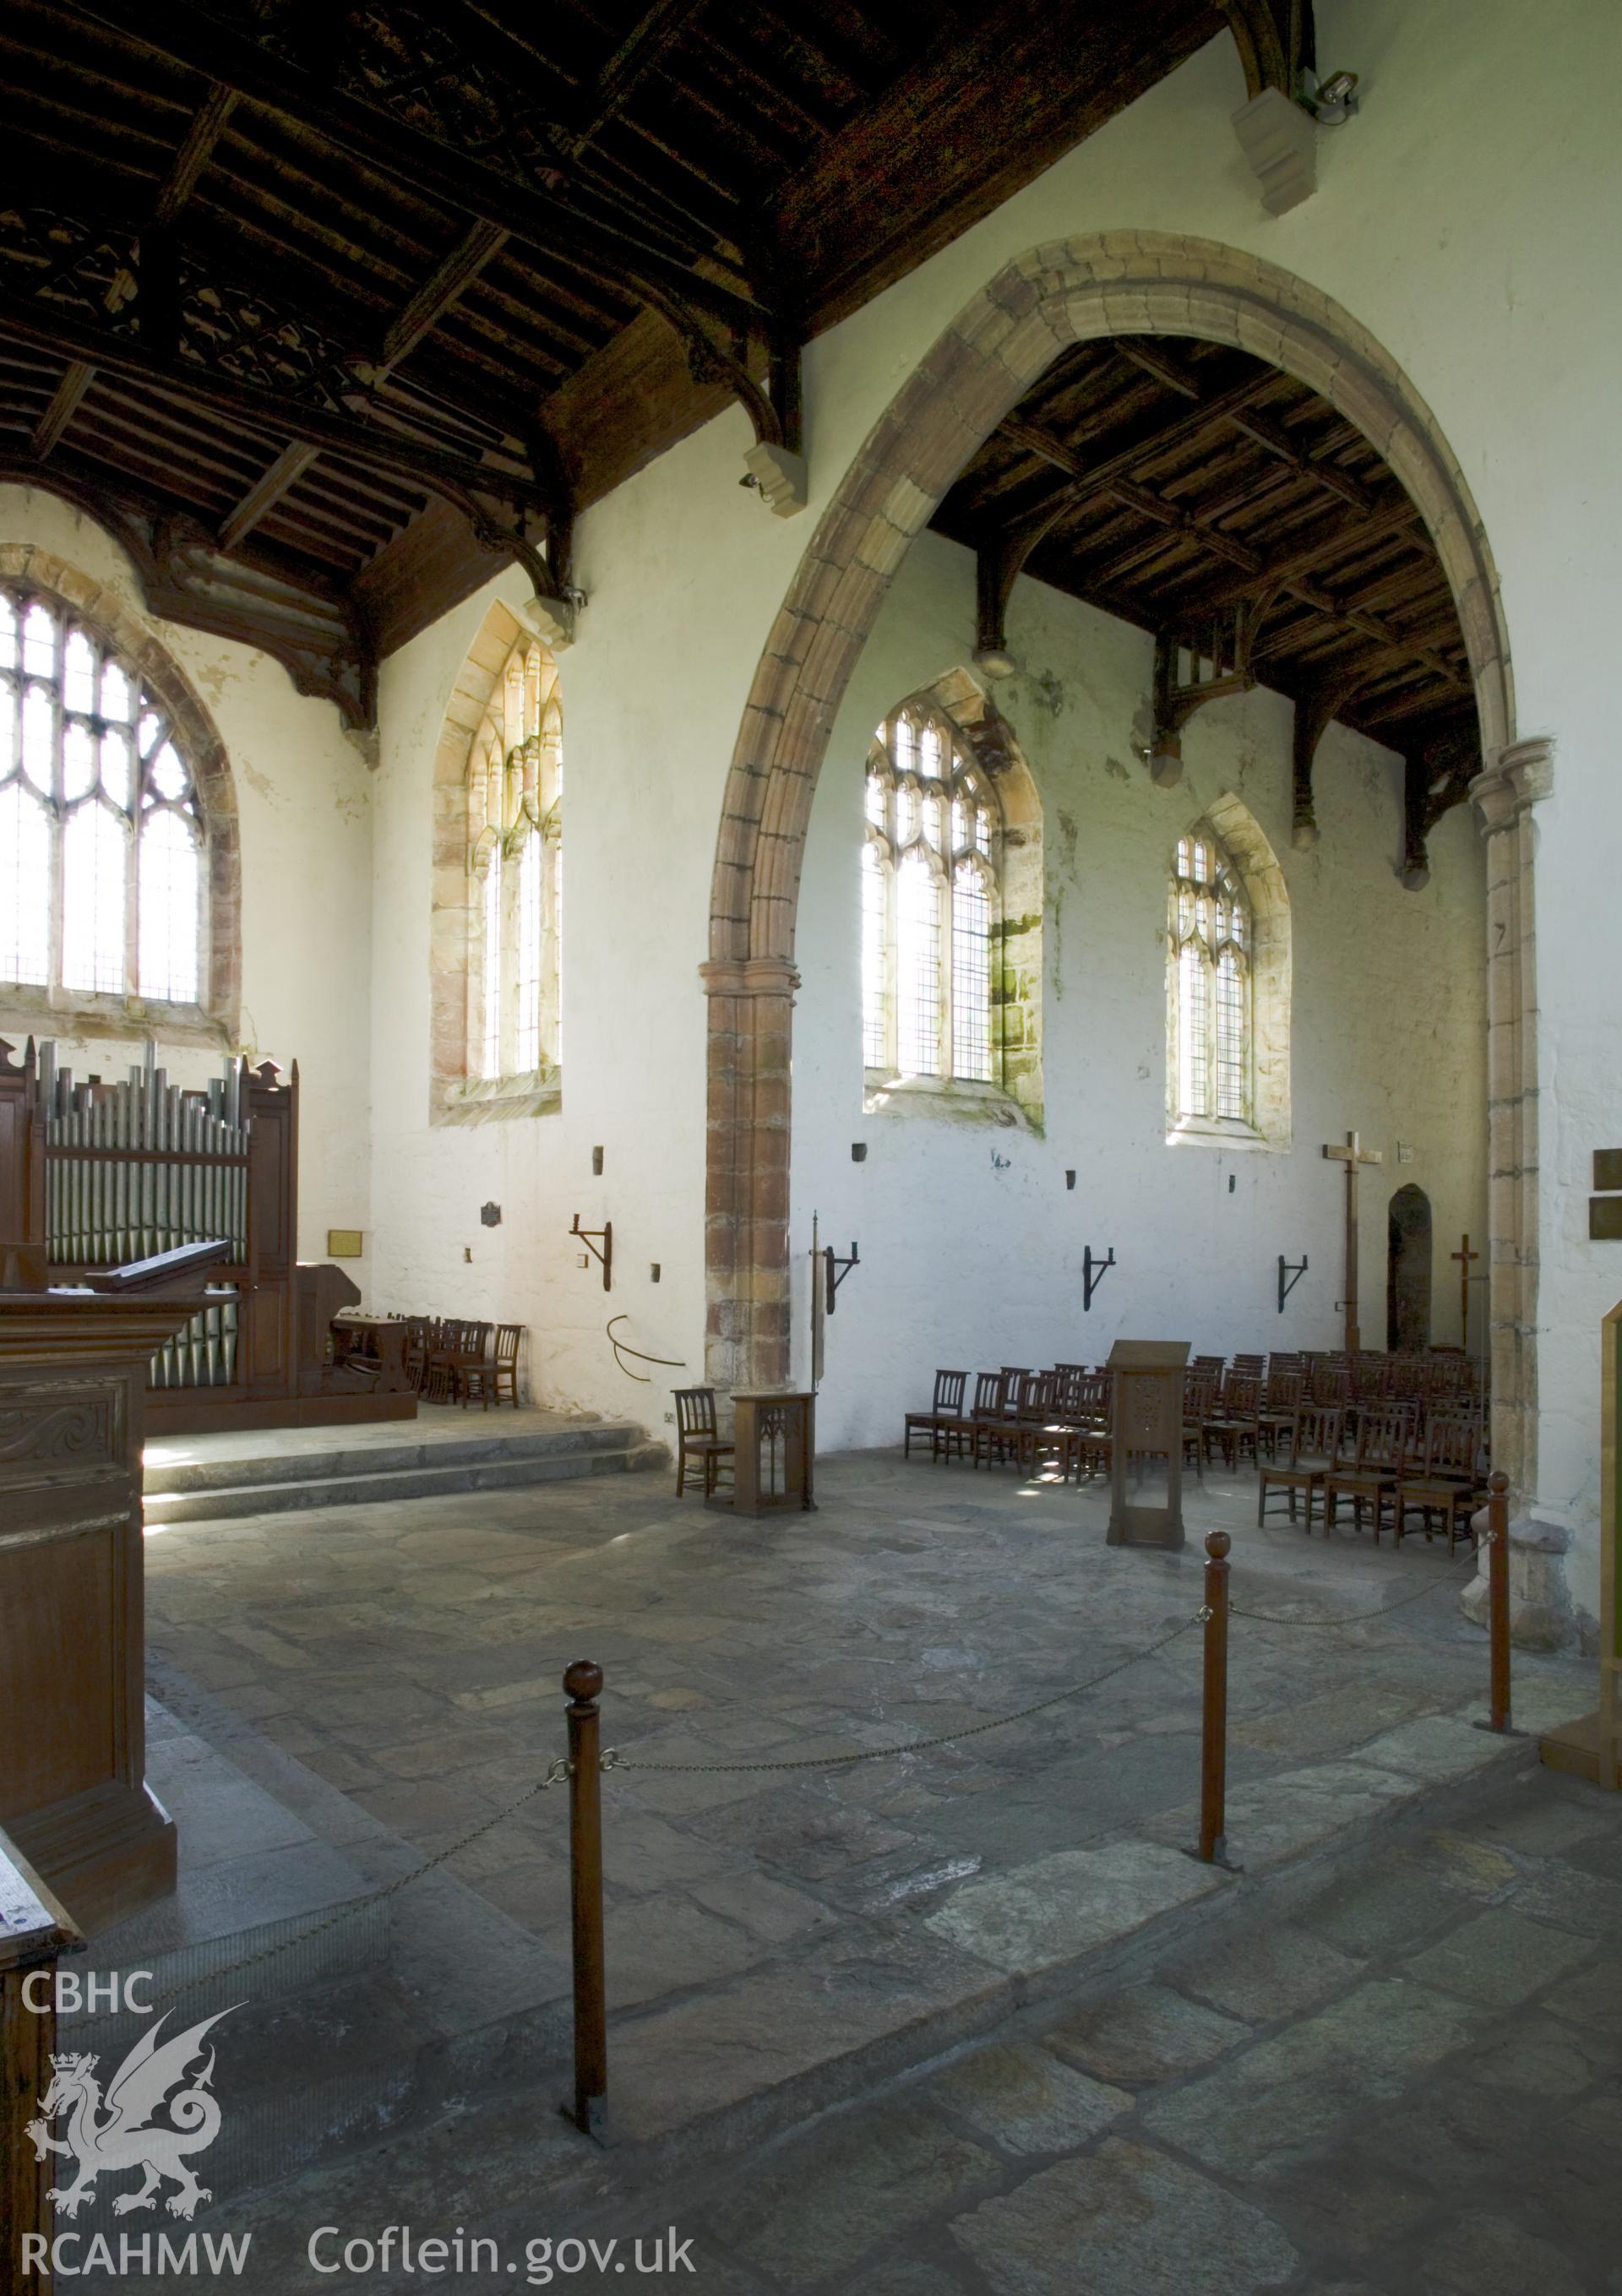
104	841
515	852
932	904
1211	940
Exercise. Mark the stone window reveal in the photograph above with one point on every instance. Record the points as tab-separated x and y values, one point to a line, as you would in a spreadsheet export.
932	905
515	855
104	845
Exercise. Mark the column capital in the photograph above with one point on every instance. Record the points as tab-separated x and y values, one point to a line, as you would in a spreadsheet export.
1520	774
749	976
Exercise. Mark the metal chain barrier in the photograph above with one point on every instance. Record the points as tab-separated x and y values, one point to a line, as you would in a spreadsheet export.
1351	1617
558	1774
614	1759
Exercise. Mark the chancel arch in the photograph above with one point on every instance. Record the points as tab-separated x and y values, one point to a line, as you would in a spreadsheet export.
1124	286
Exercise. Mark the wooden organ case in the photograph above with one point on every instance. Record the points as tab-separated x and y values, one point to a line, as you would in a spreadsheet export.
102	1174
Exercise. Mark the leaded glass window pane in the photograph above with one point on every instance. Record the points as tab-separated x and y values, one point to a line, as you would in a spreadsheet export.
102	845
930	903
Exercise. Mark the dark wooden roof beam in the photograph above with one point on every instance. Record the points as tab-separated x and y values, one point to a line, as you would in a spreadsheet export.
267	491
272	411
207	126
188	36
64	405
1143	352
441	290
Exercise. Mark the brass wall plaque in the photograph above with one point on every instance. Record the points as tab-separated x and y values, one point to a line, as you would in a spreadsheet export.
1605	1219
344	1243
1608	1168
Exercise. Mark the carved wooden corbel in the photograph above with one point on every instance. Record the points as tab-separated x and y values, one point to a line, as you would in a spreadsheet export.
775	465
1315	713
1434	781
1219	664
998	566
1276	133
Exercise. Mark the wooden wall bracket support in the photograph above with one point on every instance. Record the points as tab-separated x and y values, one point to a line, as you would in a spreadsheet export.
1218	666
835	1270
1294	1270
1092	1274
1435	781
600	1242
1315	713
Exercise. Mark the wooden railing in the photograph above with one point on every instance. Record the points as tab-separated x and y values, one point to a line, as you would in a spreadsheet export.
34	1933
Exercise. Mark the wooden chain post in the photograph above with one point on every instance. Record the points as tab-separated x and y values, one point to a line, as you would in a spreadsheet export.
1498	1600
583	1684
1214	1725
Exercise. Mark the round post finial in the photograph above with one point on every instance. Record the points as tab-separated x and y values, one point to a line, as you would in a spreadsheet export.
583	1681
1217	1545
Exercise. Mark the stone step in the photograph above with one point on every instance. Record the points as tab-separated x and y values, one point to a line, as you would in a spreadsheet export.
268	1462
362	1481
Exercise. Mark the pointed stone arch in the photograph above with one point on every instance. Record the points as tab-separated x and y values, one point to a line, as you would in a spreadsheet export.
1038	305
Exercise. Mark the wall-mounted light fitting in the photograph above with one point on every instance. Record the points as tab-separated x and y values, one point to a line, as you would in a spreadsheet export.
1331	101
858	1151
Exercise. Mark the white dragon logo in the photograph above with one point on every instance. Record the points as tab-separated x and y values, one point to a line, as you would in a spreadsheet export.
116	2132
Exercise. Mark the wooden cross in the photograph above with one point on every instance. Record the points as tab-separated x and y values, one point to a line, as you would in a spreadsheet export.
1352	1155
1465	1255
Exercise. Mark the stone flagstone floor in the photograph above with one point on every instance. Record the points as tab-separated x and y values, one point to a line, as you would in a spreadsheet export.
773	1928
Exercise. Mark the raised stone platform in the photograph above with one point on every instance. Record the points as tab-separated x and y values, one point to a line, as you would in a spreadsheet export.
445	1451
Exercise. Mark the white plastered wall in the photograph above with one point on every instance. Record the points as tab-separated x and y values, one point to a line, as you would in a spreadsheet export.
303	797
1467	218
971	1244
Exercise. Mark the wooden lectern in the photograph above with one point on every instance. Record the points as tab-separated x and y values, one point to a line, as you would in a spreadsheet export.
1146	1422
73	1793
1591	1746
774	1461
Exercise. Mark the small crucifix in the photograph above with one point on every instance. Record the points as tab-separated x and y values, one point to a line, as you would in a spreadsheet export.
1352	1155
1465	1255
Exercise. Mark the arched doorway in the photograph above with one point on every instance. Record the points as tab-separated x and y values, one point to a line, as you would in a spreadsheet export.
1408	1271
1066	292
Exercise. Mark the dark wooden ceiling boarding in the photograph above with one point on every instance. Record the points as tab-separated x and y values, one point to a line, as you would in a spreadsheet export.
323	283
1226	508
333	309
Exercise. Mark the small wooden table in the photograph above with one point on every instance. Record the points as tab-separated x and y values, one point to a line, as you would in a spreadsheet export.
774	1459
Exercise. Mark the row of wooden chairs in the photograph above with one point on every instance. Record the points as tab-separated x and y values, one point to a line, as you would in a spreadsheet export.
1386	1466
453	1361
1035	1418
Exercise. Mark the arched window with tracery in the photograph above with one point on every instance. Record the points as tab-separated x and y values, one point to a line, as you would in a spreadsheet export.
931	903
104	841
1212	940
515	849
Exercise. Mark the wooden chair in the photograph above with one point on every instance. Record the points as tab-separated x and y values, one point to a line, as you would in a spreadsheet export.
461	1349
1315	1445
494	1378
422	1336
1234	1423
697	1436
942	1422
1372	1477
1280	1401
1444	1483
